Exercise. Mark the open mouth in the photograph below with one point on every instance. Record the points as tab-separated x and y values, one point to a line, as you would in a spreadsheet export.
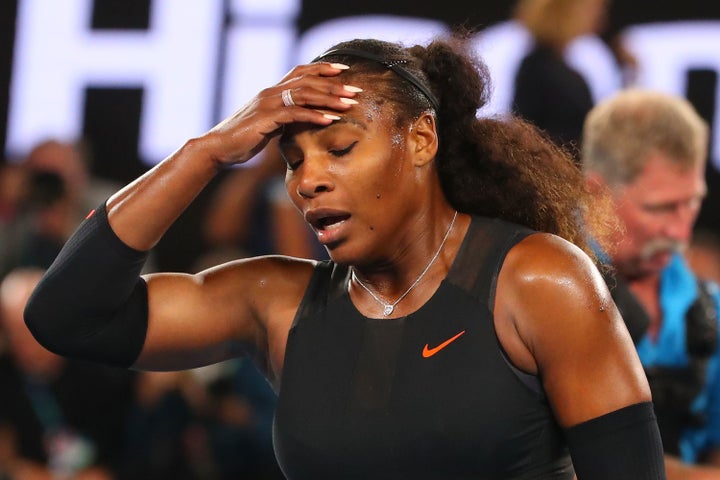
328	223
325	220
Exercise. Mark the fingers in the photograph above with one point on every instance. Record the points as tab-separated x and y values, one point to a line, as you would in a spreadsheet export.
287	99
314	87
323	69
313	93
309	95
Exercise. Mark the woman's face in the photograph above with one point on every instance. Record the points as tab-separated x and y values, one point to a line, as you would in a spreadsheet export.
353	181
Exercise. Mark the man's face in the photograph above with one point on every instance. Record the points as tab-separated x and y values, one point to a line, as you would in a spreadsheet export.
658	210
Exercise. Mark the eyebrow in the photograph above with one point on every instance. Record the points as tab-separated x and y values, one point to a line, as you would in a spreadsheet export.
345	119
322	128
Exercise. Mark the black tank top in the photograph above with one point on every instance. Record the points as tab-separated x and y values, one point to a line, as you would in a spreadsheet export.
412	397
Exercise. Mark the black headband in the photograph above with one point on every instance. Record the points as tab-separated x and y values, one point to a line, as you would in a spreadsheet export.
394	66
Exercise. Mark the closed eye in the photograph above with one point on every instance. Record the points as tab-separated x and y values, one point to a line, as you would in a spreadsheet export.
291	164
343	151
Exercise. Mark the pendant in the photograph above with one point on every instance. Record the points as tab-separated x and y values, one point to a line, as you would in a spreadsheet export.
388	310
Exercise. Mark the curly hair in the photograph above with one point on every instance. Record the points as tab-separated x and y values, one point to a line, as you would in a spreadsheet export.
494	167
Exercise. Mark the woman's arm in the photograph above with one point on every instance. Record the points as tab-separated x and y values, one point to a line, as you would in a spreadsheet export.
93	304
568	330
556	319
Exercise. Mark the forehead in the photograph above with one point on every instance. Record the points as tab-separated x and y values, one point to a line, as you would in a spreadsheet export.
368	116
663	179
661	169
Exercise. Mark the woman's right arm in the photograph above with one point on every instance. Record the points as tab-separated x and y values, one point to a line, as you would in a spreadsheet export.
93	304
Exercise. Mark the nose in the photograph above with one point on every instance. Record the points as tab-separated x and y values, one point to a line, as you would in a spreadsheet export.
313	177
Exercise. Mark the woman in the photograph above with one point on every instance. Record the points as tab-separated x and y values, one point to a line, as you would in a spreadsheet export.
441	341
566	97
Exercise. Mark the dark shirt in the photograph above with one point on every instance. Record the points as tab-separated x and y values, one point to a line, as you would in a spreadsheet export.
360	400
552	95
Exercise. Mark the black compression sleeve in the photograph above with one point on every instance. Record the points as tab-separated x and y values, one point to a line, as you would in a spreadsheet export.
92	303
621	445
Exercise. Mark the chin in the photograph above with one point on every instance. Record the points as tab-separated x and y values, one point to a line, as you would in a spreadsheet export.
339	254
345	254
648	268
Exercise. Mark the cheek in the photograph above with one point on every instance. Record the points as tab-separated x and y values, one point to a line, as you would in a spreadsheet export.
382	178
643	227
638	225
291	188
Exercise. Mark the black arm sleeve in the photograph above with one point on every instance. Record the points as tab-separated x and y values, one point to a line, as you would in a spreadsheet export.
621	445
91	303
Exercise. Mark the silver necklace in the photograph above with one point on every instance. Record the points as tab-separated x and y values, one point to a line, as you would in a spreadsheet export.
388	308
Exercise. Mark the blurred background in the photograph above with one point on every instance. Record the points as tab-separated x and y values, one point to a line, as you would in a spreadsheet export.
133	79
95	92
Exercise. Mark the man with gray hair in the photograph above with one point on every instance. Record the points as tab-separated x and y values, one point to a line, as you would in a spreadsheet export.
648	150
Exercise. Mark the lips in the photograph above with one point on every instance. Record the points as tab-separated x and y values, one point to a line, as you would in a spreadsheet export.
327	223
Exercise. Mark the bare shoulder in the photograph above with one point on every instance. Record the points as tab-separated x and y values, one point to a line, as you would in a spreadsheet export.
547	260
556	318
546	282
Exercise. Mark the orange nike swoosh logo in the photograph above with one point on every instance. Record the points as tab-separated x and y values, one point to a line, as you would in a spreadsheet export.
429	352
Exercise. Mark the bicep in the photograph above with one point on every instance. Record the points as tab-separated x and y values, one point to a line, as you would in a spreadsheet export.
184	330
591	368
195	320
570	325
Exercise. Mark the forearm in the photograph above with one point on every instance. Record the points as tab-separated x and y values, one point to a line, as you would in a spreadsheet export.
92	303
621	445
142	212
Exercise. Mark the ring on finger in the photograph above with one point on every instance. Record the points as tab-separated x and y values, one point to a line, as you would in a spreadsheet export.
287	98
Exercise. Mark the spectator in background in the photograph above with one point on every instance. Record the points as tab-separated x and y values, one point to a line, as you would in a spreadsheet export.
178	429
649	151
161	415
49	216
548	91
704	254
57	192
59	418
13	193
238	423
71	161
212	423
